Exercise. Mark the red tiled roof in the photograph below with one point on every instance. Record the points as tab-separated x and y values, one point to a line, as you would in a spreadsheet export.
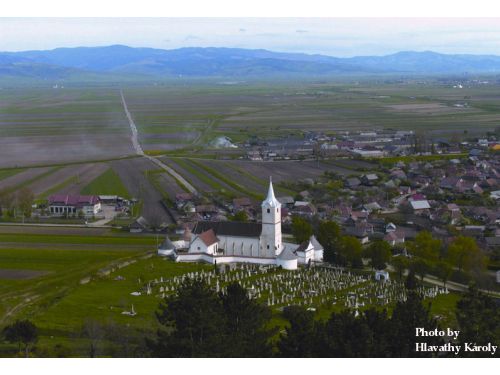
73	200
208	237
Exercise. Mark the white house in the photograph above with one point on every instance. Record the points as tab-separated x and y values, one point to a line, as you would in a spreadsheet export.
260	243
60	204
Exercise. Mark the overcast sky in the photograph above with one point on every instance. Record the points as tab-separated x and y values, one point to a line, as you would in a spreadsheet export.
331	36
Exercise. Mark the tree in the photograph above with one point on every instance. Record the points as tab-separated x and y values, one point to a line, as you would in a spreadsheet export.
444	271
328	236
464	253
299	337
93	331
197	322
22	332
379	253
5	199
425	246
190	322
350	251
478	317
411	282
379	323
25	198
345	336
406	317
246	324
400	264
241	216
301	229
420	266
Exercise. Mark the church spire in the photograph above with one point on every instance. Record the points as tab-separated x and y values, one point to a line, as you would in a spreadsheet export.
271	200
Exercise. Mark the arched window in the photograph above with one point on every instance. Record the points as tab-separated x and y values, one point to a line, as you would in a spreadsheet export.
268	210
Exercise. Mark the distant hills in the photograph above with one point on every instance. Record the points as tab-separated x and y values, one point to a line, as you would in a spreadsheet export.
121	61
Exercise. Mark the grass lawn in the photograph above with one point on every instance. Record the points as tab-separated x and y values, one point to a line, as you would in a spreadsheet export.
103	300
62	271
60	305
444	306
108	183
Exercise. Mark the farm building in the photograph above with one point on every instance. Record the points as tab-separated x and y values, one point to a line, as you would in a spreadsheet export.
61	205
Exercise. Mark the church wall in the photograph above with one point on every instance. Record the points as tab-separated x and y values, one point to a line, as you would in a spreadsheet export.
198	246
223	259
305	256
243	246
318	255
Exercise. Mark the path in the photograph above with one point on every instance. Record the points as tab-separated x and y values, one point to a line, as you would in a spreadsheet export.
139	151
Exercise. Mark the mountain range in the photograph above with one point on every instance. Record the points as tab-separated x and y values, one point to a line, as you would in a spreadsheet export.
120	61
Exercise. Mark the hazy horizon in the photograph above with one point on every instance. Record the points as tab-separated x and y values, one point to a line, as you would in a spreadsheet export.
339	37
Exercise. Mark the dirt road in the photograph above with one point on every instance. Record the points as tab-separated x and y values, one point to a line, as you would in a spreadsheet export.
138	149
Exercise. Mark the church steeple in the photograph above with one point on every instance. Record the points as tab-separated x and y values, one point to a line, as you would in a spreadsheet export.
271	200
270	238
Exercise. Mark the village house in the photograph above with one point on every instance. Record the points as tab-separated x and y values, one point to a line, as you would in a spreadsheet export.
61	205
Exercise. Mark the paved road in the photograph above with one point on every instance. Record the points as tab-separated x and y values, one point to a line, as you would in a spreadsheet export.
139	151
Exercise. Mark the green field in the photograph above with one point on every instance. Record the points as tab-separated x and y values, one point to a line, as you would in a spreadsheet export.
75	288
126	240
108	183
4	173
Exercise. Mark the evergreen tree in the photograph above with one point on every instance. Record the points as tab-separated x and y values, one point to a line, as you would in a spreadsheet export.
346	336
246	324
406	318
478	317
197	322
299	338
191	323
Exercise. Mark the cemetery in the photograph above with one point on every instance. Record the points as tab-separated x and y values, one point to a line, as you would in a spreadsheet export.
327	288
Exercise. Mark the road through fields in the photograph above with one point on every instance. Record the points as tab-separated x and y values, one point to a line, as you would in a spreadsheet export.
138	149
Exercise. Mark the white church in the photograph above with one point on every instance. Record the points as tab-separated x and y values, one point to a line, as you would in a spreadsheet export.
259	243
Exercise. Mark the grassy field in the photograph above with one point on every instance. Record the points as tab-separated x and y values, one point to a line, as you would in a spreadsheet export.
125	239
4	173
108	183
60	287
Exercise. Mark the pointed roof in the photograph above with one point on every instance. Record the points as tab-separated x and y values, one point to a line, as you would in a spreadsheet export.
208	237
271	200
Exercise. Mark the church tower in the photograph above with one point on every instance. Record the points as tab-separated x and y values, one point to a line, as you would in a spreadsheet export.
270	238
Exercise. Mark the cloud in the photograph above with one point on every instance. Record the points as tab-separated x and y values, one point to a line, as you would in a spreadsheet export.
301	31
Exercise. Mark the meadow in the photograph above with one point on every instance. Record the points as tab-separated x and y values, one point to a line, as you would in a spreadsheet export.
108	183
72	293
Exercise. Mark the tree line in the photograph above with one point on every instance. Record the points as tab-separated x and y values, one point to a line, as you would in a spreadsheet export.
461	258
199	322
